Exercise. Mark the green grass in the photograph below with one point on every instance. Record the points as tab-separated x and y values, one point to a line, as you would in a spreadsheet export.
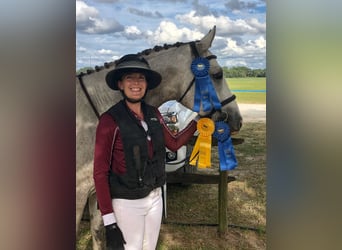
249	83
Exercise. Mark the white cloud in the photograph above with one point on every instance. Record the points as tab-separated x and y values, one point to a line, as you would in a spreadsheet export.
235	62
233	48
168	32
84	12
132	32
239	40
88	21
101	26
250	53
260	42
250	47
202	22
224	25
105	51
82	49
115	58
260	27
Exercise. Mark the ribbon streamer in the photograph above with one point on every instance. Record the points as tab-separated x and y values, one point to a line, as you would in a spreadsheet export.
225	146
201	153
204	89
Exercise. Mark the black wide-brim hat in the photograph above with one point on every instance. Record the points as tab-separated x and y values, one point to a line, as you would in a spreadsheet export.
130	64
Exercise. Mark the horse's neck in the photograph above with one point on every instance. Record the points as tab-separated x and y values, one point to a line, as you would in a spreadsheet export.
174	66
101	96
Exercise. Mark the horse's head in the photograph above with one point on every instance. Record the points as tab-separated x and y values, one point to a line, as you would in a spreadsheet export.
173	63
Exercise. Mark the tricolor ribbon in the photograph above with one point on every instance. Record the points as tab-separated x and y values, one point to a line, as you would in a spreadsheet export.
225	146
204	89
201	153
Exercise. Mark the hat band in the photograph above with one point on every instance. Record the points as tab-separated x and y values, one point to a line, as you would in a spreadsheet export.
134	64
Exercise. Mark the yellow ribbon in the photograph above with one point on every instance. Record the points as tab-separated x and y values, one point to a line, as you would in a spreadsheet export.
202	148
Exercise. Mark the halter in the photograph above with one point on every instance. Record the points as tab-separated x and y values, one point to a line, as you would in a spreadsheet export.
195	52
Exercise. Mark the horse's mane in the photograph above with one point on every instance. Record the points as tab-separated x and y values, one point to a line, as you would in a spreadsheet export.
158	48
145	52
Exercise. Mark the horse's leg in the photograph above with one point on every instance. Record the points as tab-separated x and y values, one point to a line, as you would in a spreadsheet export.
84	185
80	205
96	223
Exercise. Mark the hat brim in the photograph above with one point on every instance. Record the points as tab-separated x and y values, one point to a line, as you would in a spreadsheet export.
153	78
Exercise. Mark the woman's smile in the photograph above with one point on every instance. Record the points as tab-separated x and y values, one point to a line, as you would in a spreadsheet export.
134	85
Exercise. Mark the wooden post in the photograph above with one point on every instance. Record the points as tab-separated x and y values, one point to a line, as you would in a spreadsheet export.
222	203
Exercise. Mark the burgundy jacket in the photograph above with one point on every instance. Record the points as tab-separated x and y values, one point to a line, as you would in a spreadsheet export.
103	144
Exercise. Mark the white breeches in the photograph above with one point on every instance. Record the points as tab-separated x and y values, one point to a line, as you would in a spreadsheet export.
140	220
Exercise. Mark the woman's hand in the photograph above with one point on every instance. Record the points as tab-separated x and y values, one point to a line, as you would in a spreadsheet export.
114	237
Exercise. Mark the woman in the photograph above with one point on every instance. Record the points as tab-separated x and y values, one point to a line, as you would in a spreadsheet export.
129	160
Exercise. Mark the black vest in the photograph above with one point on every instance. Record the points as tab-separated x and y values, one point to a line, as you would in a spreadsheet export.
142	174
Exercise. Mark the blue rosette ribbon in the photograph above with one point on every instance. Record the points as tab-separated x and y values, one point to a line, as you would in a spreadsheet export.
204	90
225	146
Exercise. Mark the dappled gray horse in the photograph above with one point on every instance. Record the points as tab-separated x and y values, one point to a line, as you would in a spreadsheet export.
93	97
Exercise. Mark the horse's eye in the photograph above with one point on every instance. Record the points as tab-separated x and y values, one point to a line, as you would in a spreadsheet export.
218	75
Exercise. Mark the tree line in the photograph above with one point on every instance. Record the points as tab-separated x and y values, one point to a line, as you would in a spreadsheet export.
84	70
242	71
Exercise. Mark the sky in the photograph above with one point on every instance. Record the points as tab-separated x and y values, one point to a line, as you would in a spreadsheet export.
109	29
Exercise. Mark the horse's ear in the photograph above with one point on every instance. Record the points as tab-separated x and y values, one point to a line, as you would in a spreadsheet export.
207	40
